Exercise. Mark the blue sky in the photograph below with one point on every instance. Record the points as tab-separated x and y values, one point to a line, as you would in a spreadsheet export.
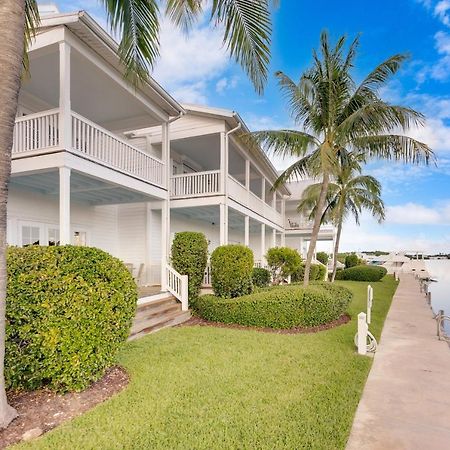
196	69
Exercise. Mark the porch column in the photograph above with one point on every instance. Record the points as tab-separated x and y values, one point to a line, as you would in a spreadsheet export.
274	237
263	189
283	239
247	174
247	231
165	236
263	242
64	206
301	247
223	224
65	120
223	163
274	200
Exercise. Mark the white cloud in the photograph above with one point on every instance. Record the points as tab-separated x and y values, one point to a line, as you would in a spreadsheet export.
191	93
226	83
441	10
413	213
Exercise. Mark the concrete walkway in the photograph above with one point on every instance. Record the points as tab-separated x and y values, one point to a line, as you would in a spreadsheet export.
406	400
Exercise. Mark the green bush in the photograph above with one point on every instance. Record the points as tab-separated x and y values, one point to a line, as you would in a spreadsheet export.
231	271
189	257
362	273
284	306
68	311
260	277
322	257
283	262
316	273
351	260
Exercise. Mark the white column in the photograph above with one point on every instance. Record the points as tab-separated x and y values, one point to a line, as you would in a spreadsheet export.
247	174
274	238
65	119
283	239
274	200
223	224
65	236
148	242
247	231
263	242
223	162
165	237
263	189
301	247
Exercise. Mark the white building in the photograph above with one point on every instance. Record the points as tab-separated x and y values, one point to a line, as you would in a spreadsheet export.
97	162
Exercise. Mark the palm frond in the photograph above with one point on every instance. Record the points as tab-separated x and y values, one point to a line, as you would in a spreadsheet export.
137	21
247	35
184	13
32	21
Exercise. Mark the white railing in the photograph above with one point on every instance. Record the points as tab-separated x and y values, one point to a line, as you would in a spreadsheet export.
195	184
36	132
207	276
177	285
101	145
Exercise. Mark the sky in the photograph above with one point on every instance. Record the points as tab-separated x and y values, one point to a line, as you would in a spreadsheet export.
196	69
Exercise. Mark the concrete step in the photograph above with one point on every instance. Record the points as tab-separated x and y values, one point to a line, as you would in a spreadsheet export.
156	324
167	300
157	310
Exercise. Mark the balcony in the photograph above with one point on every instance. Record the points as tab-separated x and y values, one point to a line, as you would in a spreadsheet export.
197	184
39	133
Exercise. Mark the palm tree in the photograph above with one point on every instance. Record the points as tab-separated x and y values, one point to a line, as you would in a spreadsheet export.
333	114
349	193
247	30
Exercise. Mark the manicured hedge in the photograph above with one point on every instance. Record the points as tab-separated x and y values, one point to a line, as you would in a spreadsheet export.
362	273
283	262
260	277
231	271
189	257
68	311
322	257
316	273
280	307
351	260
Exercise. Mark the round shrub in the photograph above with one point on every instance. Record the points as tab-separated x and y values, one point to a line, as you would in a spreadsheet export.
283	262
189	257
231	271
279	307
362	273
68	311
322	257
260	277
316	273
351	260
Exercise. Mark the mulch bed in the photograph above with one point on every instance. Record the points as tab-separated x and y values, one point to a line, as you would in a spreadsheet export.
45	409
198	321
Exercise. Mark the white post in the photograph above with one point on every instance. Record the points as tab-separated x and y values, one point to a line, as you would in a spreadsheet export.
165	237
274	200
65	119
263	189
64	206
274	237
263	243
362	334
184	293
223	163
247	174
247	231
223	224
369	303
283	239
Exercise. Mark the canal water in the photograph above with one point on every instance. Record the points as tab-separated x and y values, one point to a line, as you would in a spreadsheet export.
439	270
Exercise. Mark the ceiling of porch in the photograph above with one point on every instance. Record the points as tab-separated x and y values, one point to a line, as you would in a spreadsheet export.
84	189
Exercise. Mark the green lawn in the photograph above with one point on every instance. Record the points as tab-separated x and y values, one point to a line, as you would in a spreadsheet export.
215	388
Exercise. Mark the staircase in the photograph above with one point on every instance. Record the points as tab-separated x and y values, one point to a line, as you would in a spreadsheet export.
156	314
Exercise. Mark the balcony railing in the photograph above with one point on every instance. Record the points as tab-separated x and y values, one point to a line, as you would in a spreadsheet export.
40	132
195	184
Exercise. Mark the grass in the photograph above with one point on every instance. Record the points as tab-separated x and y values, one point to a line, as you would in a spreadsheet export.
215	388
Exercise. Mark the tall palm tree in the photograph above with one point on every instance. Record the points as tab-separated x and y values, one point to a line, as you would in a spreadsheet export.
333	113
349	193
247	30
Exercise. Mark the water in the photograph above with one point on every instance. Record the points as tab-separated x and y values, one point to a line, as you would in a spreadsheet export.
440	292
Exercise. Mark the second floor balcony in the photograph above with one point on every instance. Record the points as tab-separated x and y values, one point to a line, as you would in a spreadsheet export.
42	133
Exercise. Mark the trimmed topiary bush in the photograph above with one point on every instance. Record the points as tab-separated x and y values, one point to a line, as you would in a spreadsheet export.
322	257
285	306
316	273
231	271
68	311
351	260
362	273
283	262
189	257
260	277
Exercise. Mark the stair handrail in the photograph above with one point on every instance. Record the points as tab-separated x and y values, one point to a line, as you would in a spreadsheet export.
177	285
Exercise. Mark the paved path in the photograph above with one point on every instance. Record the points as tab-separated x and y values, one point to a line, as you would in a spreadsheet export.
406	400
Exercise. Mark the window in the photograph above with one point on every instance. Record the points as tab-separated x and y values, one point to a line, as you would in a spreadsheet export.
53	236
80	238
30	235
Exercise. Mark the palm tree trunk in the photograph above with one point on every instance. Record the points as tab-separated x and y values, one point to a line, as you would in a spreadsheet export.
12	19
316	226
336	249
